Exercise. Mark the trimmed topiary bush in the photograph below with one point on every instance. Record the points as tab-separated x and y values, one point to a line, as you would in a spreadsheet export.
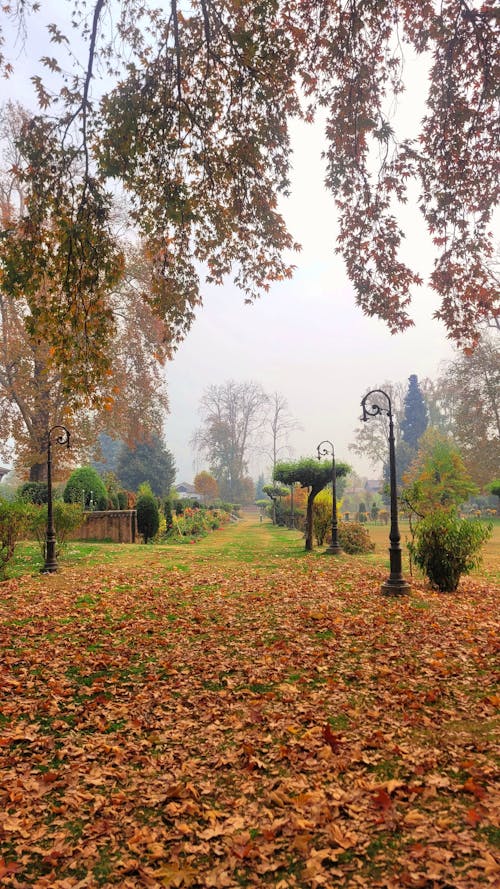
86	486
445	547
148	516
354	538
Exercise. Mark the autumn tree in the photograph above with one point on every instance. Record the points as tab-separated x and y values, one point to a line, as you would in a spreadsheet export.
206	485
309	473
438	478
189	110
129	399
232	415
470	388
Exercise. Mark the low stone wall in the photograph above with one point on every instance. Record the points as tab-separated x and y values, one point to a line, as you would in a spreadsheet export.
117	525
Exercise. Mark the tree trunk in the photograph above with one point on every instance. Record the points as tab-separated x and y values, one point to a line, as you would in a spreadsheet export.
38	472
309	520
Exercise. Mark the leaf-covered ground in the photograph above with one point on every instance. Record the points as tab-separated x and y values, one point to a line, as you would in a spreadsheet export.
246	715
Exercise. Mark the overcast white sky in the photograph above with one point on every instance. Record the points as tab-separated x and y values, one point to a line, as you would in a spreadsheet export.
306	338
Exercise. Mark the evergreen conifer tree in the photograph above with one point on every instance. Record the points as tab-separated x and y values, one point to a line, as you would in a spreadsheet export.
414	422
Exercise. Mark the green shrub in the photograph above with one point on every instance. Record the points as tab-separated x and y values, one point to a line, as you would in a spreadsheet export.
33	492
230	508
196	523
67	517
374	512
322	516
122	500
354	538
85	486
445	547
148	516
14	518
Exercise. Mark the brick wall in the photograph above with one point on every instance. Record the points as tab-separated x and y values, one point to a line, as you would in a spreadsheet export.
118	525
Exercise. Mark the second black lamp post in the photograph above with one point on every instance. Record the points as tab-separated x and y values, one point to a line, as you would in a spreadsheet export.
395	585
325	448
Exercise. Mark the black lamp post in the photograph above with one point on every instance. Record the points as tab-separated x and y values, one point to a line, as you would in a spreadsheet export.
324	448
395	585
50	549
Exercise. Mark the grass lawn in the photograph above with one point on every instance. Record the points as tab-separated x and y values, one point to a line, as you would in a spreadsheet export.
240	713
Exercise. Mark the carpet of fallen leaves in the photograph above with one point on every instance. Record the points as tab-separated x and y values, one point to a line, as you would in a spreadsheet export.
274	722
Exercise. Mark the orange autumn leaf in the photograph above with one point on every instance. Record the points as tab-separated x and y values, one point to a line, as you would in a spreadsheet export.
471	786
473	817
381	799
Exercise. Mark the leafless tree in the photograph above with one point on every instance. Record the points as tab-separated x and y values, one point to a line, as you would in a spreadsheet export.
280	423
232	413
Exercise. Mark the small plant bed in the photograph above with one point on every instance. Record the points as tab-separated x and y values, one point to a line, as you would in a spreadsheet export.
193	524
243	713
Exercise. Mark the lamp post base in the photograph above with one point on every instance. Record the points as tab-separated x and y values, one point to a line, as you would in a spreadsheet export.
395	587
334	549
49	568
50	555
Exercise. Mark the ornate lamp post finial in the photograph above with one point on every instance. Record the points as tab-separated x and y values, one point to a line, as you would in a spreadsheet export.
395	585
50	548
324	448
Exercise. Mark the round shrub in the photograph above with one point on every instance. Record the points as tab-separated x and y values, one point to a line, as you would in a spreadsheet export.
354	538
33	492
445	547
83	484
148	516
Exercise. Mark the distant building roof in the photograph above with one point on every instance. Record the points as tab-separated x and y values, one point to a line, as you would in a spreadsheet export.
373	484
185	488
